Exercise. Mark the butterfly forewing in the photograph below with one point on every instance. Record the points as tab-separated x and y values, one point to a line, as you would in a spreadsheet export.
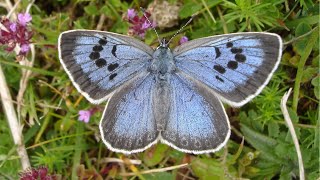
128	123
99	62
236	66
197	120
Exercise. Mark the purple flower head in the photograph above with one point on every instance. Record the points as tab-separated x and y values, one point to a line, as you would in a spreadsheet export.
23	19
24	48
145	25
16	33
139	24
183	40
13	27
131	13
37	173
84	115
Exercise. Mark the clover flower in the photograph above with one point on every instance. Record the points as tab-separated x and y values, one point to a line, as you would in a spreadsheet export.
16	33
139	25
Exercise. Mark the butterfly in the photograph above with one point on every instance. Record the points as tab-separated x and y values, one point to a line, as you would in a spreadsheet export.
173	96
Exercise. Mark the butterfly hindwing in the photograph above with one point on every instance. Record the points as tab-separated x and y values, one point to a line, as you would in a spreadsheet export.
197	121
98	62
236	66
128	124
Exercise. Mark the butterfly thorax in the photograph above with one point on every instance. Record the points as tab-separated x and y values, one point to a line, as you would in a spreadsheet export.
162	67
162	63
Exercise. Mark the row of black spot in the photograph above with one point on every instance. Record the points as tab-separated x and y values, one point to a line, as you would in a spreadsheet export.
101	62
231	64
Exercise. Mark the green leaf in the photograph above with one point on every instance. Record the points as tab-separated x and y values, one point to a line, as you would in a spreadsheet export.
106	10
260	142
316	83
159	176
311	20
91	10
308	74
155	155
273	129
207	169
115	3
190	8
302	29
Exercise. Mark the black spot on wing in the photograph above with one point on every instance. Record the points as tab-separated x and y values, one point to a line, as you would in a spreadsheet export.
229	44
112	76
218	53
219	68
240	57
94	55
101	62
232	65
236	50
113	51
97	48
112	67
219	78
103	41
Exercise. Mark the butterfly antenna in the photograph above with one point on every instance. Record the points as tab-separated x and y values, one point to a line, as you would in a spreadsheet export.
181	28
144	14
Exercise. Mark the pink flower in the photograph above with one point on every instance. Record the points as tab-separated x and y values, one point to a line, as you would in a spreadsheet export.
23	19
139	25
183	39
84	115
16	33
13	27
131	13
145	25
25	48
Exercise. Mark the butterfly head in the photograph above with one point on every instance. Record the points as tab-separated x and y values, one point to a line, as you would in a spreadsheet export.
164	43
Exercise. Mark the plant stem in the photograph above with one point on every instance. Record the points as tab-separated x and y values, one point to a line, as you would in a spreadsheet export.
14	125
312	40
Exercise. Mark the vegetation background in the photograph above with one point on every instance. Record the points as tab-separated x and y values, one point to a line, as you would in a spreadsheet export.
260	147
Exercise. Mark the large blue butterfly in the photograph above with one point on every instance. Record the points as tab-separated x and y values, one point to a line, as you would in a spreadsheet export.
171	96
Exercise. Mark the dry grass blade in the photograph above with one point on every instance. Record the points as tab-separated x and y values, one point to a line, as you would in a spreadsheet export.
15	127
292	132
117	160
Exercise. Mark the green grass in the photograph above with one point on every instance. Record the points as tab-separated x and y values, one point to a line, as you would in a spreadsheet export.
49	111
